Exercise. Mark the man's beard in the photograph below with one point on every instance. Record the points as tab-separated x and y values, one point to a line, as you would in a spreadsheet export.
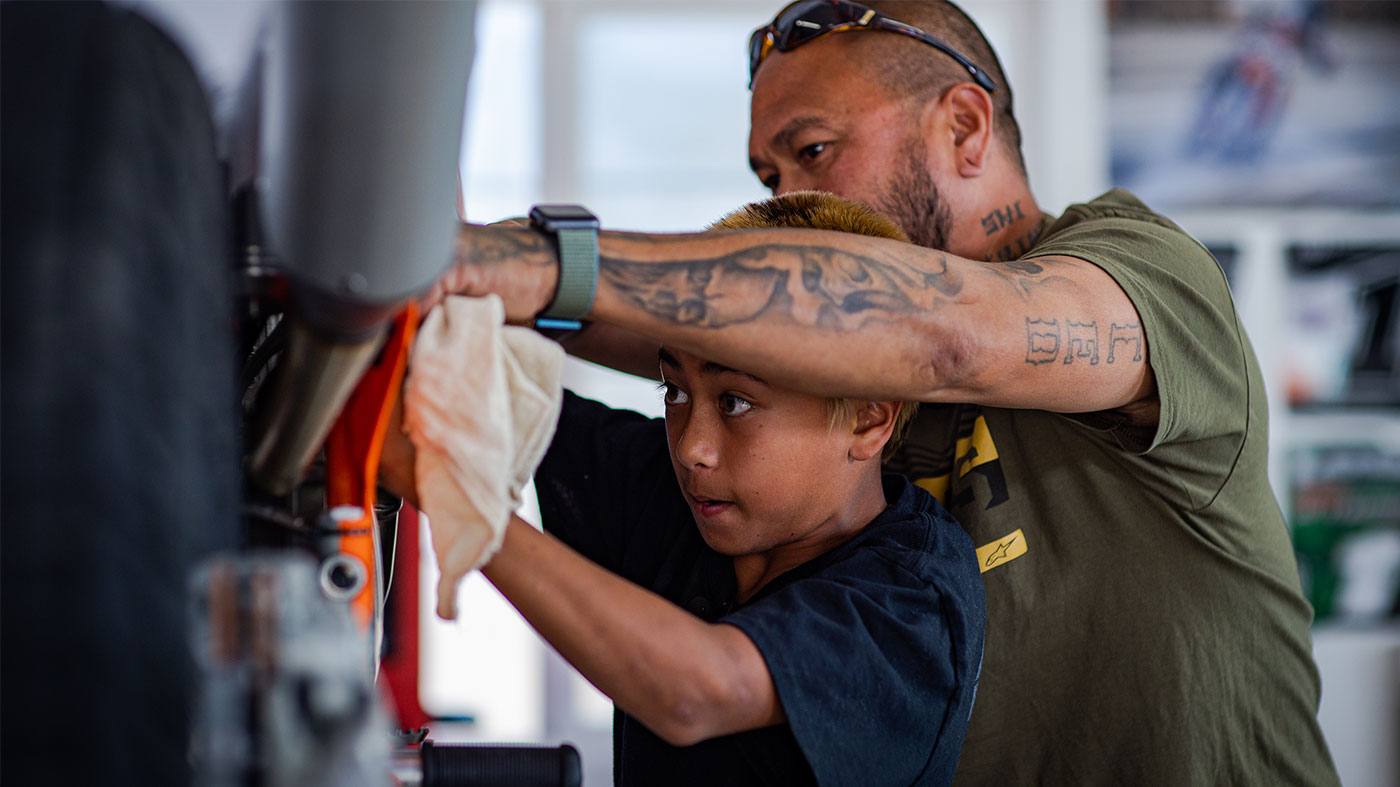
912	200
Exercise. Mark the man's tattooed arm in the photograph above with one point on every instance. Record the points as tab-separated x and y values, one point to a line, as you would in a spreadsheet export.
503	244
848	316
825	287
520	265
1051	340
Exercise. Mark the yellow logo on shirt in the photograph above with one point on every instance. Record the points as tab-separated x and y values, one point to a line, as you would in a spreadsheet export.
1003	550
973	452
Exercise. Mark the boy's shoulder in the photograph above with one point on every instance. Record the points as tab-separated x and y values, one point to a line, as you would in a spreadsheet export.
914	546
892	622
916	534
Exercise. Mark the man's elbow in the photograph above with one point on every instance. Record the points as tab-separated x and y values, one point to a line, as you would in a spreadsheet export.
949	360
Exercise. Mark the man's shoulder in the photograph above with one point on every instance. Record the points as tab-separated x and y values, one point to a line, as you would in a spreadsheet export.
1118	232
1115	213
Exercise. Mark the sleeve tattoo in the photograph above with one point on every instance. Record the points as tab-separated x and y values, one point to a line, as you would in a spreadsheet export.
821	286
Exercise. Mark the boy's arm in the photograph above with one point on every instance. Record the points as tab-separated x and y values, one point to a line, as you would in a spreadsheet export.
685	679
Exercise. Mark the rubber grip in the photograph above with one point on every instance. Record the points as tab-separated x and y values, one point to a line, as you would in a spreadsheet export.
467	765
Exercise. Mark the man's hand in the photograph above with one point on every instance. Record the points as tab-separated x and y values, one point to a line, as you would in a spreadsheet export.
516	263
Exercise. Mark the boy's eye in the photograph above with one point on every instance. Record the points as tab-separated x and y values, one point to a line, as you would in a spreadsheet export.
673	395
729	404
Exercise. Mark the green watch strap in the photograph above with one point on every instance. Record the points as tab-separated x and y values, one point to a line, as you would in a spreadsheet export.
578	274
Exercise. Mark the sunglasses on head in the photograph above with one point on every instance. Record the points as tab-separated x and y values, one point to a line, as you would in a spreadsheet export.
808	20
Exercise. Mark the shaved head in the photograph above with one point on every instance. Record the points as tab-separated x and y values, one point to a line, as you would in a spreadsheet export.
915	71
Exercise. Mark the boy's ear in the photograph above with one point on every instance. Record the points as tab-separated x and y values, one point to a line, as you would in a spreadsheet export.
873	427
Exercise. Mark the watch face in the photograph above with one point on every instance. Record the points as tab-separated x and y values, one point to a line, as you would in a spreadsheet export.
563	215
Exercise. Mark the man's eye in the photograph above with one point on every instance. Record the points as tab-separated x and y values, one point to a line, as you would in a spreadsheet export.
810	152
673	395
729	404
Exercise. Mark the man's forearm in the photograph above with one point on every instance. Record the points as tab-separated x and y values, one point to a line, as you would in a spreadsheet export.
616	348
838	314
824	312
686	679
518	264
723	294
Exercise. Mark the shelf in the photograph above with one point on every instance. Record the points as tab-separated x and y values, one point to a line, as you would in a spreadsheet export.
1341	424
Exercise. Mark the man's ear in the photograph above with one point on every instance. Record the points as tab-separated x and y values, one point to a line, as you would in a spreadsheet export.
873	427
965	116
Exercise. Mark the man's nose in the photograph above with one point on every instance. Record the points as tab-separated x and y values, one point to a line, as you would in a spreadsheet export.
789	182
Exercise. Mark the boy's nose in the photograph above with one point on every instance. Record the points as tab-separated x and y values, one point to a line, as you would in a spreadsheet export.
695	447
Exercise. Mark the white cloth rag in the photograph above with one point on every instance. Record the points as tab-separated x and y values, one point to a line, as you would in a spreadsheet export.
480	406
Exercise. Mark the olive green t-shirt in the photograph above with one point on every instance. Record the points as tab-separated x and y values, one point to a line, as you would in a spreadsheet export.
1145	623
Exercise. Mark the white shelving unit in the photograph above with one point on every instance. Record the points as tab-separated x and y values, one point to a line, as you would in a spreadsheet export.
1261	239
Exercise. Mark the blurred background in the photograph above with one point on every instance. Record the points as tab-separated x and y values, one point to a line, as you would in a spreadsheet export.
1269	130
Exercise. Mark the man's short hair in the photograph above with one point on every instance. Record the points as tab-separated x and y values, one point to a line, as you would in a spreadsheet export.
909	68
819	210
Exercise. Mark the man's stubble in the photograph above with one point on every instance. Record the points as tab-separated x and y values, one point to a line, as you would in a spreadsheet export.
912	200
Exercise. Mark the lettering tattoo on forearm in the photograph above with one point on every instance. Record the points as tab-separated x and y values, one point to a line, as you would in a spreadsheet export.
1079	341
822	286
1042	341
1082	341
1130	334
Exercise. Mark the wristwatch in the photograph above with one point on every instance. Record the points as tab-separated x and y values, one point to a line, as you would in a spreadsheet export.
575	231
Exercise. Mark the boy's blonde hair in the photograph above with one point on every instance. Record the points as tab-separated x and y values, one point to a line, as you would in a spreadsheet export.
819	210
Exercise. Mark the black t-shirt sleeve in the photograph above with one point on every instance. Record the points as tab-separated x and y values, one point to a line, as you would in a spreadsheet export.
603	471
876	661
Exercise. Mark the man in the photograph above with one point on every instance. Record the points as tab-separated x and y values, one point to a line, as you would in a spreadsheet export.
1097	419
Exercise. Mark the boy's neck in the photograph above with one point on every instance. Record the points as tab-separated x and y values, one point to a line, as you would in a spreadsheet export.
758	569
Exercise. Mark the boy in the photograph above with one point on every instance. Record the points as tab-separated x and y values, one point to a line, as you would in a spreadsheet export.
771	609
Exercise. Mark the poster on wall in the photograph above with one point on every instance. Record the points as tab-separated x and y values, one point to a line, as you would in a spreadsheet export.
1282	103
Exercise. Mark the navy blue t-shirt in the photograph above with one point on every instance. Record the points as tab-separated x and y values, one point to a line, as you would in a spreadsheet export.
875	646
